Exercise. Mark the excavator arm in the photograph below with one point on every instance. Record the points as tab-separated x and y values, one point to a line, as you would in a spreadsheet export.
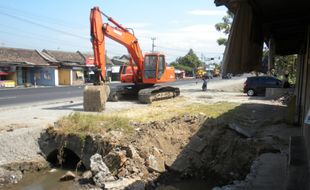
117	33
97	39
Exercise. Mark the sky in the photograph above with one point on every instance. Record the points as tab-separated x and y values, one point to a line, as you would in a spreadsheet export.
177	25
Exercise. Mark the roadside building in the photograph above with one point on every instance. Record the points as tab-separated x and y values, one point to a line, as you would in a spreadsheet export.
71	66
89	72
284	25
118	63
25	67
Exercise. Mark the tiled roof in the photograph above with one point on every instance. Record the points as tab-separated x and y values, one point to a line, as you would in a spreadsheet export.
63	56
16	55
47	57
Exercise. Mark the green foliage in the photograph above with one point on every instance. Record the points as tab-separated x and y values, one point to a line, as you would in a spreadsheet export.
188	63
224	27
286	65
181	67
83	124
222	41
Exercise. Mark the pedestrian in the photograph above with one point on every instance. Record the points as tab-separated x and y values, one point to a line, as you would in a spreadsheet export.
204	84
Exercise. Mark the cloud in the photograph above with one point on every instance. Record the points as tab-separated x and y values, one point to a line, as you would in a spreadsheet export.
176	41
137	25
207	12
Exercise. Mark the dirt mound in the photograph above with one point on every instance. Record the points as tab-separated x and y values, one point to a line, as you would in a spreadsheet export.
186	146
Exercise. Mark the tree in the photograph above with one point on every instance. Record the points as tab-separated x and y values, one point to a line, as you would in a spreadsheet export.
181	67
190	59
286	65
224	27
188	63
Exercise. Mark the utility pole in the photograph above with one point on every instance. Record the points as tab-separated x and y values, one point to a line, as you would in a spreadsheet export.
153	45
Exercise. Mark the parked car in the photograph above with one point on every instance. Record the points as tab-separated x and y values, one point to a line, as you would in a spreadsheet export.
257	85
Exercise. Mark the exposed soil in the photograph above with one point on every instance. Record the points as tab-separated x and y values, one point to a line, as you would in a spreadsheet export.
187	146
166	145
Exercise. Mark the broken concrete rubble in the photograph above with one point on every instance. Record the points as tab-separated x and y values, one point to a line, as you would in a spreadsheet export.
9	177
122	183
87	175
241	130
155	164
115	159
67	176
132	152
100	171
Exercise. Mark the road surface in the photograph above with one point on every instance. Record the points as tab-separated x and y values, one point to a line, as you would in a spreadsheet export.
39	107
23	96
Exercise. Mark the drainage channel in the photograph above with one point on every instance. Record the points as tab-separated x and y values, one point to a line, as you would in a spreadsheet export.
49	179
43	180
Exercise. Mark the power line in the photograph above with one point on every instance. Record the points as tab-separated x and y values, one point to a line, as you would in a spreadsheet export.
36	16
43	26
40	39
82	37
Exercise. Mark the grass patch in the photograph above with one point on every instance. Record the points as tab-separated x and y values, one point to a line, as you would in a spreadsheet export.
83	124
166	109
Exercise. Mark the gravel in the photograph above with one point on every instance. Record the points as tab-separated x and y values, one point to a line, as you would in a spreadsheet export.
20	145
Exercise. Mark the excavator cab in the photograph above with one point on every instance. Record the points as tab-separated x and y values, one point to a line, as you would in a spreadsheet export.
153	67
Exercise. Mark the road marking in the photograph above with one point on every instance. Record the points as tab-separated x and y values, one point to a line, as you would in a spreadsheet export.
6	98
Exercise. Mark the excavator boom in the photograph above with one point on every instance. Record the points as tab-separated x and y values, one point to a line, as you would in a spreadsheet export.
145	71
117	33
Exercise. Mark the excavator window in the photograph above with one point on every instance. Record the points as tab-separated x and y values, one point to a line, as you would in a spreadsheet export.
161	66
150	62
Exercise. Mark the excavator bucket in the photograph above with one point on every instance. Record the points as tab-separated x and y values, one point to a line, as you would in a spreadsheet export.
95	97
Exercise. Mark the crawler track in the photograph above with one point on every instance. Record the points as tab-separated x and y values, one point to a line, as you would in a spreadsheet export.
155	93
145	95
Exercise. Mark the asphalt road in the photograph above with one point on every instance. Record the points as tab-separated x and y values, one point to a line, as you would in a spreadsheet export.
22	96
32	96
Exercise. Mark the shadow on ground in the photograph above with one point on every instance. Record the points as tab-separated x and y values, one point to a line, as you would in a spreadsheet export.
73	107
224	148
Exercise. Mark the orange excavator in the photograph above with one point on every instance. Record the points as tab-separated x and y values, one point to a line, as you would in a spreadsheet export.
144	71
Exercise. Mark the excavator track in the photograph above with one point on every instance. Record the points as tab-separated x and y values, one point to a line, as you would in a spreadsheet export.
155	93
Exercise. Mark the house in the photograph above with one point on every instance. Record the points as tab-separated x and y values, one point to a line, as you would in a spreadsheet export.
118	62
71	65
26	67
90	67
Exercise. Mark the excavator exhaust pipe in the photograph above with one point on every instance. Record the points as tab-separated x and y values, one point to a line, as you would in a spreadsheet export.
95	97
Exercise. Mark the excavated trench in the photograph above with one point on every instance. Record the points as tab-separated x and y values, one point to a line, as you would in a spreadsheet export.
182	152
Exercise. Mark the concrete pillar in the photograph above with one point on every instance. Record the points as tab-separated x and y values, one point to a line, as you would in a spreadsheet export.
271	55
56	74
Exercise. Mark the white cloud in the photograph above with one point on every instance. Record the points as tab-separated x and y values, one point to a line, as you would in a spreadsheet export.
202	38
137	24
176	42
207	12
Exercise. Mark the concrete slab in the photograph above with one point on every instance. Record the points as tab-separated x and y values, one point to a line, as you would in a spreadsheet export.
268	172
